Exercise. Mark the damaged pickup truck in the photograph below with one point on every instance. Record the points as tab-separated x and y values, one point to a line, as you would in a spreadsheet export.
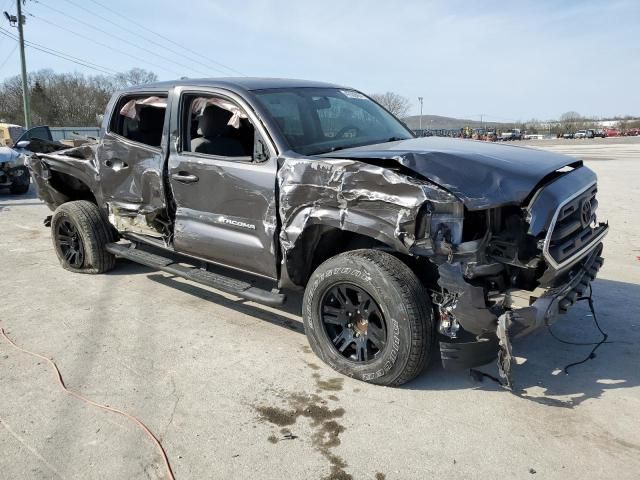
399	243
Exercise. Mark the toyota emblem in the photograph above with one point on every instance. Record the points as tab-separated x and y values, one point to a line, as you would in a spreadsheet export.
586	213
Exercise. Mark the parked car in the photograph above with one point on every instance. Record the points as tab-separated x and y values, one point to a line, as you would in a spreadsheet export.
513	134
568	135
611	132
491	136
599	133
583	134
13	173
397	242
633	132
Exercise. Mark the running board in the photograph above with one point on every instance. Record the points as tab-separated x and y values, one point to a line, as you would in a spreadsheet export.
198	275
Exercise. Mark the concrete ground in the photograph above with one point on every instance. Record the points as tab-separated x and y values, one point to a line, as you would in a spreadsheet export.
233	390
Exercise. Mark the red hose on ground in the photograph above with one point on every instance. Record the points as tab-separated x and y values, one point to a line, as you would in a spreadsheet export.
91	402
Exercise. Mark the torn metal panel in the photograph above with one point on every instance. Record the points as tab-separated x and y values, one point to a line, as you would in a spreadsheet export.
353	196
131	183
136	221
130	190
65	175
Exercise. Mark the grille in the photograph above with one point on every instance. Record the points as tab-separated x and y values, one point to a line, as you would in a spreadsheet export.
574	228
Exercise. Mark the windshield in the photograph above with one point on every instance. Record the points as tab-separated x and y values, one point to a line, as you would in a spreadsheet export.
321	120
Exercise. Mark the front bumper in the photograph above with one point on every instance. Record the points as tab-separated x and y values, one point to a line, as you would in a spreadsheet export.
522	313
11	173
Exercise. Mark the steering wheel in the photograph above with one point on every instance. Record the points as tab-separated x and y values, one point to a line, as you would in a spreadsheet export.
345	129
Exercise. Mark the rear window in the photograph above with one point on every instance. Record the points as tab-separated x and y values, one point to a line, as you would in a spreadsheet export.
140	118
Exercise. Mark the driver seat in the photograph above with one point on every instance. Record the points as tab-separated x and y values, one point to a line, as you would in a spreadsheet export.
212	125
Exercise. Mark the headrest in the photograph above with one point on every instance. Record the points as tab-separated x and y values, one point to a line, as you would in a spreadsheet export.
213	121
151	119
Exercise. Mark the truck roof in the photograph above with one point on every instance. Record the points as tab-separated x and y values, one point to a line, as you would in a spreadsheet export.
236	83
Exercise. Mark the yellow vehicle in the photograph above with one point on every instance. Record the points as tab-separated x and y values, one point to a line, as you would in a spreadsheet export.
9	133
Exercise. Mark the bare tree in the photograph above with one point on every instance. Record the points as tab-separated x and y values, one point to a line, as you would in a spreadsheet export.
65	99
397	104
135	76
570	121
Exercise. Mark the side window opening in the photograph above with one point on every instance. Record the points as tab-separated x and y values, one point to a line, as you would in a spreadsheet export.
216	126
140	118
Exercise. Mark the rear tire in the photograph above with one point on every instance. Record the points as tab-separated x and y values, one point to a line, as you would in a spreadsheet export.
388	345
80	234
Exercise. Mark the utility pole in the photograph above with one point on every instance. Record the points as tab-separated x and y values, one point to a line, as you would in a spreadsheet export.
23	61
19	20
420	121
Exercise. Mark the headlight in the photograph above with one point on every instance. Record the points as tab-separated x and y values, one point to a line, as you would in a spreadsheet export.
441	221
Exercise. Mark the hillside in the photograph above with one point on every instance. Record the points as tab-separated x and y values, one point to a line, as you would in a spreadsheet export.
434	122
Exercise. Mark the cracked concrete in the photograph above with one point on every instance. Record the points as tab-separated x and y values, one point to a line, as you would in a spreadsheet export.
193	364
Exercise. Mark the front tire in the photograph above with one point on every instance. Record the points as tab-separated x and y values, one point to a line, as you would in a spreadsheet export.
21	182
80	234
367	316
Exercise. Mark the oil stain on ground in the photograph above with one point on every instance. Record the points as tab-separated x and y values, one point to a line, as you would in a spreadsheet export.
330	385
323	420
312	366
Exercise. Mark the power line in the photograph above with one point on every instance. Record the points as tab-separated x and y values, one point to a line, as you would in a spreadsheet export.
59	54
9	56
63	55
168	59
99	43
167	39
109	34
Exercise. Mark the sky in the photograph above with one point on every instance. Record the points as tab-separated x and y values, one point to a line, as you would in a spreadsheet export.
507	60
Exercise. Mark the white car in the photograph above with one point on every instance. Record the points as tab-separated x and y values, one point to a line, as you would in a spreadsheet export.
581	134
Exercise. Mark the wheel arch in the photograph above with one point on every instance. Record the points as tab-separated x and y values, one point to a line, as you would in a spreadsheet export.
71	187
320	241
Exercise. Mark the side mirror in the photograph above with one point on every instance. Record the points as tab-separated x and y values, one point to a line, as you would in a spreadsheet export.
23	144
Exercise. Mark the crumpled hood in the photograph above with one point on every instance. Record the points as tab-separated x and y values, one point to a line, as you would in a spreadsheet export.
481	174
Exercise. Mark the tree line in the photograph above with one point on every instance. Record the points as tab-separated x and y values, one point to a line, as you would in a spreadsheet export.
77	100
65	99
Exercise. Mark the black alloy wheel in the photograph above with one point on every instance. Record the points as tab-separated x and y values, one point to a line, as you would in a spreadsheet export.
70	243
353	322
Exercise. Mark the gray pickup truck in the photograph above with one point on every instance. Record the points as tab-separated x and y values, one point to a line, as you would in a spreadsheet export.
399	243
